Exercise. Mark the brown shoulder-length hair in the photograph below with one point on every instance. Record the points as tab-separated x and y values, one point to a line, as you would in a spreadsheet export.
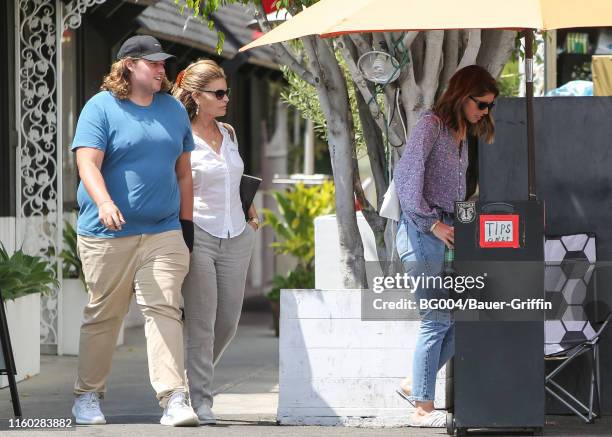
194	78
118	80
474	81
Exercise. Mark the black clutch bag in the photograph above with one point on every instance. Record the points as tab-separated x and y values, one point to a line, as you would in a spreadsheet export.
248	188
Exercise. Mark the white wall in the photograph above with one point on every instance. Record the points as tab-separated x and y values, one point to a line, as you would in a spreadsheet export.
327	250
334	368
7	233
22	315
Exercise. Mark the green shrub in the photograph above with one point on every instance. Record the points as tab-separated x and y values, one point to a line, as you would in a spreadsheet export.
296	279
72	269
294	228
22	274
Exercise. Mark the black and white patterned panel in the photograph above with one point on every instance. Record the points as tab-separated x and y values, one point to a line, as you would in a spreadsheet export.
570	263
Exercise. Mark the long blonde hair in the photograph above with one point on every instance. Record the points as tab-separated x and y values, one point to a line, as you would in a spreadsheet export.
118	80
195	77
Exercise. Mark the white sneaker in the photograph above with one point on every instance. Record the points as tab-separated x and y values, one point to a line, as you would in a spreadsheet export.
178	412
86	410
206	416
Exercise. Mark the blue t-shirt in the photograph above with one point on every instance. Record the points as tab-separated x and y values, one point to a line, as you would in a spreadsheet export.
141	145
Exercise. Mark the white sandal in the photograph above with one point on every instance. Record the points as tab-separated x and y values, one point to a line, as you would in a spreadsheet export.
435	419
405	396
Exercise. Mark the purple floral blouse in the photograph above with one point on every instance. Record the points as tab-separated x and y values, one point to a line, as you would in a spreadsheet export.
430	175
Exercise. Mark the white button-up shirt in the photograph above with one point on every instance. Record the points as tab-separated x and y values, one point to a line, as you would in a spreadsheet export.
217	208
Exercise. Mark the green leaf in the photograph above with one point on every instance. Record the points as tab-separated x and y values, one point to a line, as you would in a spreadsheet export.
294	224
22	274
72	267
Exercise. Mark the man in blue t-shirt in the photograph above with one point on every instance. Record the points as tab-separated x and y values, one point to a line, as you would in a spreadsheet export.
135	229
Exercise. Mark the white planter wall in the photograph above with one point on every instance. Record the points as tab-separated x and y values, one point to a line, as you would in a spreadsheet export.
334	368
23	318
74	300
327	250
7	233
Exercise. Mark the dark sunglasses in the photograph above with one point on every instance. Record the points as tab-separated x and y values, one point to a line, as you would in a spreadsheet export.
219	94
483	105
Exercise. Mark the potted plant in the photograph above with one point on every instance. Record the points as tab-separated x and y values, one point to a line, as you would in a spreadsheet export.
294	228
22	279
74	294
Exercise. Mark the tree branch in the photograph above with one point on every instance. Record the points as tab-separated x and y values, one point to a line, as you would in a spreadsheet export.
432	65
283	52
375	221
360	42
360	82
341	140
393	123
373	138
409	38
410	93
292	8
471	51
451	56
389	43
395	113
379	42
496	48
311	54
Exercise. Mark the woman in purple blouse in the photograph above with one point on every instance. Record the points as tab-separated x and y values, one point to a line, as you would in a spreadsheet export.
429	178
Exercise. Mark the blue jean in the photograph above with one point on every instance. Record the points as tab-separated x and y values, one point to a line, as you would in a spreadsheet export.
423	253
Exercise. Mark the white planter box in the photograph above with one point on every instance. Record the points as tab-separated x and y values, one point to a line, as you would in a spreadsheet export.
327	250
23	318
74	300
335	369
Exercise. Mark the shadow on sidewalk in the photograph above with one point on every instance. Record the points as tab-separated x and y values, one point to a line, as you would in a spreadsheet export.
245	384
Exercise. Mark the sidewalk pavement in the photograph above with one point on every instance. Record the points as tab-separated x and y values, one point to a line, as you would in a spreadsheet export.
246	387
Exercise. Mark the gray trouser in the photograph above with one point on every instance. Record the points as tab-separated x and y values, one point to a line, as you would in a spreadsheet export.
213	292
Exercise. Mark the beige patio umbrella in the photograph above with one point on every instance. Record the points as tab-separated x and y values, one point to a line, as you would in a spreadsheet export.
329	18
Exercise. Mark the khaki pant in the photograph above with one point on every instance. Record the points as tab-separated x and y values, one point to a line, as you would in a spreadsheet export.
153	267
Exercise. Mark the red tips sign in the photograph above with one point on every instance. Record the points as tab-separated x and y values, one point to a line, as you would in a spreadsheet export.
499	230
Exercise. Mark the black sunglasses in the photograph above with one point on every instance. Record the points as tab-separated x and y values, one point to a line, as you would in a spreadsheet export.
219	94
483	105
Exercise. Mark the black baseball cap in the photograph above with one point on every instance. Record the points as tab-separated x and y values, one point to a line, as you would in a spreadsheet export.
143	47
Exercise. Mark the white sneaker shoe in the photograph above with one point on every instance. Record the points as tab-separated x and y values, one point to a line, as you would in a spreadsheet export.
86	410
206	416
178	412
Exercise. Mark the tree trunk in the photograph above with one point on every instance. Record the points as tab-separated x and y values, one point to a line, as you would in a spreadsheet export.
333	96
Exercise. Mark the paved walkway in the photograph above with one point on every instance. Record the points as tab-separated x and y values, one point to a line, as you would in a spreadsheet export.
246	399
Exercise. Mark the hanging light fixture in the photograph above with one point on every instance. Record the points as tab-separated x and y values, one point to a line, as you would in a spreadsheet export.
379	67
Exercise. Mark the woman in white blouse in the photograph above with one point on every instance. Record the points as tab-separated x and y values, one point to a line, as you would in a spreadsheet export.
214	288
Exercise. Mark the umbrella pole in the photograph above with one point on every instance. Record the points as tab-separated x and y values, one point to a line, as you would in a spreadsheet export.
531	177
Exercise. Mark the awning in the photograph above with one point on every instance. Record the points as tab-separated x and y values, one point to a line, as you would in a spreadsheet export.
164	21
